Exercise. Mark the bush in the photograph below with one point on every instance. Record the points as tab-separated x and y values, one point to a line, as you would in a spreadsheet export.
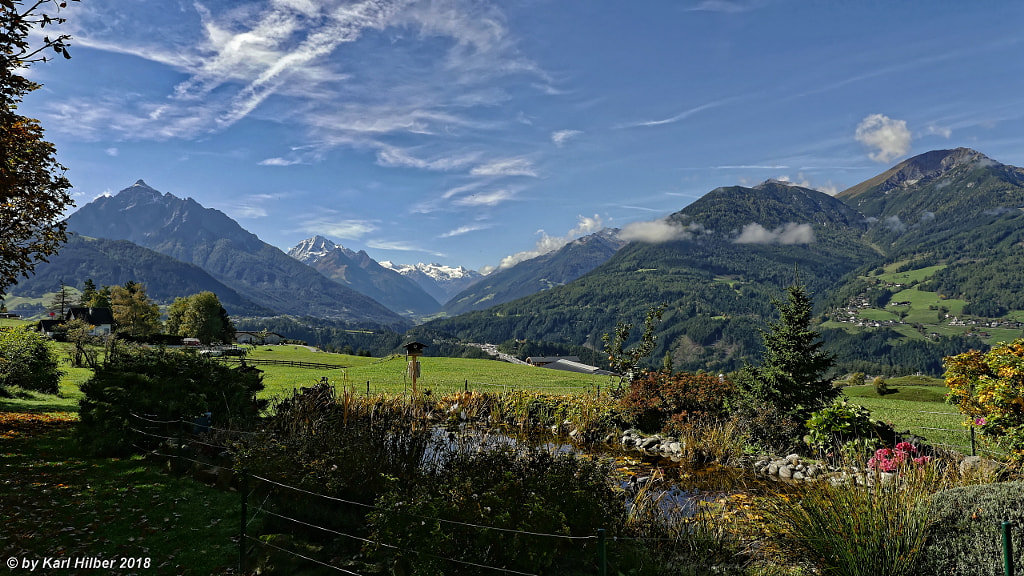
764	425
989	389
161	385
846	429
964	537
662	401
516	490
881	386
28	362
851	530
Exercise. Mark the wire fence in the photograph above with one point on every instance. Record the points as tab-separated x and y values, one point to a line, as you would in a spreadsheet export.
169	439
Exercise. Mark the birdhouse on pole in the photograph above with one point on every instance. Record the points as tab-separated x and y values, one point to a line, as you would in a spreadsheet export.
414	350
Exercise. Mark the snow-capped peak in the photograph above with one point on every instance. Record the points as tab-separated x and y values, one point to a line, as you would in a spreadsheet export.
438	272
312	249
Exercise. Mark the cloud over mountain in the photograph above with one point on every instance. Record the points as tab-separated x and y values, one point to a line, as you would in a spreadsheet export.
789	233
890	138
658	231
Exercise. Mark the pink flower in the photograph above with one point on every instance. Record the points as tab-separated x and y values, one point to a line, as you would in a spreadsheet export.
980	421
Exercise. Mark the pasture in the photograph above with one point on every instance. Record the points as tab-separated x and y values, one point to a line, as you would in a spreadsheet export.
437	375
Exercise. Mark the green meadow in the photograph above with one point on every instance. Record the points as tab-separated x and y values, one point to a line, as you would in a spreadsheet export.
437	375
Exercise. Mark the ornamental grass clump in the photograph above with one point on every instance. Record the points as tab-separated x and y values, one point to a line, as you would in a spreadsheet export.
844	529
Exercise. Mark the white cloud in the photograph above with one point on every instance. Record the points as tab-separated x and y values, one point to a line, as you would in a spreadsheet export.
937	130
485	198
505	167
789	233
346	229
890	138
802	181
402	246
279	162
561	137
585	225
678	117
658	231
111	151
303	63
894	224
396	157
464	230
248	211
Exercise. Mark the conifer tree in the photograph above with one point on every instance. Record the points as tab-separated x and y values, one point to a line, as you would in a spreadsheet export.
792	375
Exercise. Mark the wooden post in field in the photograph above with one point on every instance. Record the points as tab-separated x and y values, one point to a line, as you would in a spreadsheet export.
413	350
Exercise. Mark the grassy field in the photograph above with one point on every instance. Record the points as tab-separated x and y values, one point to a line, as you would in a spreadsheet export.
58	504
919	408
909	276
439	375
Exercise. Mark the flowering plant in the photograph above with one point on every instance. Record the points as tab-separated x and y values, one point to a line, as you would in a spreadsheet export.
988	388
890	460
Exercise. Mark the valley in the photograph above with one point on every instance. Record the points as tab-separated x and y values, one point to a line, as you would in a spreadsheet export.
920	262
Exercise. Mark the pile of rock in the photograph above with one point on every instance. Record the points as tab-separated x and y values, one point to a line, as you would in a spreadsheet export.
794	468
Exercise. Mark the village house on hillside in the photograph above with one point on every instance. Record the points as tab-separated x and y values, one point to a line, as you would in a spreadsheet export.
101	320
258	338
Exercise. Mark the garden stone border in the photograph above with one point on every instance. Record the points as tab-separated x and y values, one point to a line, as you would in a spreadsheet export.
791	468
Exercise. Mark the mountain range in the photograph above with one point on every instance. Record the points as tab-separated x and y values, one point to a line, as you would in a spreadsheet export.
364	275
209	239
950	219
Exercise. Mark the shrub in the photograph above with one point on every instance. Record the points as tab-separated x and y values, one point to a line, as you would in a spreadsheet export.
846	429
527	495
764	425
989	389
964	537
851	530
28	362
661	401
162	385
881	386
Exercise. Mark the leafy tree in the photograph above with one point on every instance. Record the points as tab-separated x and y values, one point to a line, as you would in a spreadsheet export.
62	301
626	362
792	375
200	316
988	388
27	361
85	345
33	190
134	313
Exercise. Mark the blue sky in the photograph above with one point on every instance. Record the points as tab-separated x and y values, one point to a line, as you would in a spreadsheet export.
473	133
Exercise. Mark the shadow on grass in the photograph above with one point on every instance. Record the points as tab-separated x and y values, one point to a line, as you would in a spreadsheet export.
58	503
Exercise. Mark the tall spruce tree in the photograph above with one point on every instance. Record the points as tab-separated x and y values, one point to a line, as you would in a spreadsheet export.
793	374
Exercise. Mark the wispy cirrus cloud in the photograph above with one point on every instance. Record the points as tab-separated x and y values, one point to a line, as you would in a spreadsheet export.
339	228
319	66
678	117
491	198
464	230
562	137
505	167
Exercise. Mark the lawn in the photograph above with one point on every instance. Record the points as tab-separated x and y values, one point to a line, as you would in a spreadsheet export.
58	504
438	375
918	408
